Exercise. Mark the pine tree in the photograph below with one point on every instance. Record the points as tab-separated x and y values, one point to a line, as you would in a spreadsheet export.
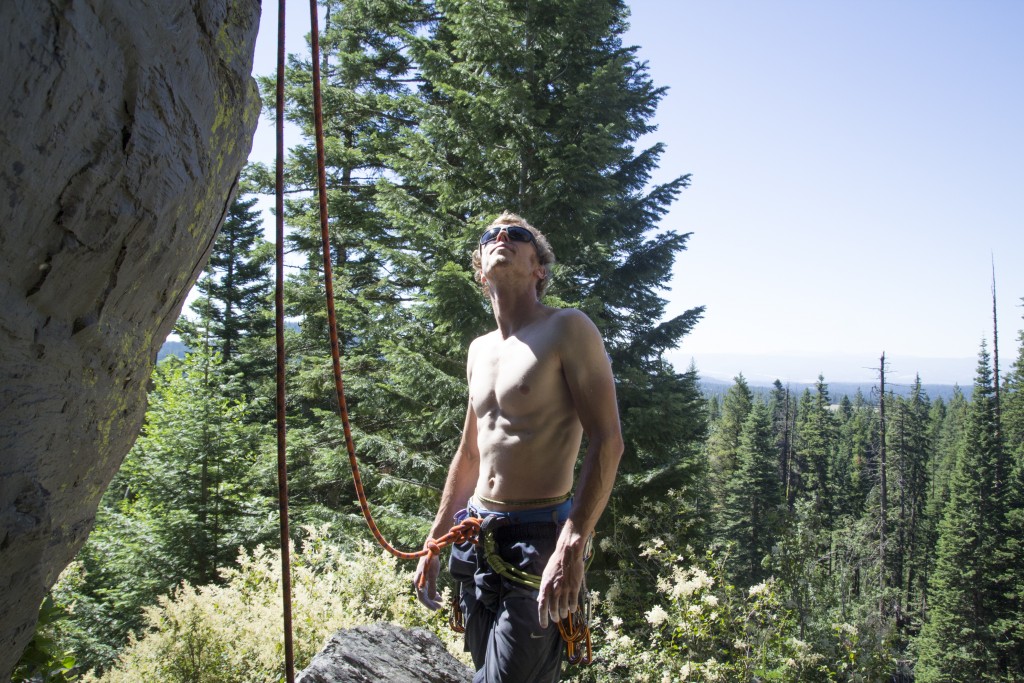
368	81
438	116
1010	629
754	499
959	641
858	442
909	451
536	109
184	501
724	438
782	425
234	309
816	440
948	444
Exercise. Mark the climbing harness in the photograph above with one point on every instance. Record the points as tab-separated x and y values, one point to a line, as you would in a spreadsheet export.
574	630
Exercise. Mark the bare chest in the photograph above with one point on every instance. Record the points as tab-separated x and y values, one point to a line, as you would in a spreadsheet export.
515	377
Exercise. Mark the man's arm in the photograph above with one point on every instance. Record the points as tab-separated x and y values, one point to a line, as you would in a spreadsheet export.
459	486
588	374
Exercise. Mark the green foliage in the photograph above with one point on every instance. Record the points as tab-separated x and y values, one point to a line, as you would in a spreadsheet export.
701	627
754	505
815	452
231	632
438	115
959	642
45	660
184	501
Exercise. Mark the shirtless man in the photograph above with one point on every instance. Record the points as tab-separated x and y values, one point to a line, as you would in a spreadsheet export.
536	384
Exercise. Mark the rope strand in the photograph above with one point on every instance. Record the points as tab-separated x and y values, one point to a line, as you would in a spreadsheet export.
460	532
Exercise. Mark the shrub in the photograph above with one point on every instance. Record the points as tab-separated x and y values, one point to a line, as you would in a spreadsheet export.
234	632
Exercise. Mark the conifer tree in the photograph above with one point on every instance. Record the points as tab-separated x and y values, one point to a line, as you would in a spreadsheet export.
724	437
782	425
909	451
368	81
234	306
1010	630
816	440
960	639
514	106
858	435
536	109
754	500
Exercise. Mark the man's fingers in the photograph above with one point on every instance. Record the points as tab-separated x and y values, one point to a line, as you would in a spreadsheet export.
424	583
544	615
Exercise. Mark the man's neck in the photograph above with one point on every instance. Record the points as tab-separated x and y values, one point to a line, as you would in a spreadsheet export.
515	307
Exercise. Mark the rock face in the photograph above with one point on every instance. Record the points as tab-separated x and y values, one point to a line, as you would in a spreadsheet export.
385	653
125	123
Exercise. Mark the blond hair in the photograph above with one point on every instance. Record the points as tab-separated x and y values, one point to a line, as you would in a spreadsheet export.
545	255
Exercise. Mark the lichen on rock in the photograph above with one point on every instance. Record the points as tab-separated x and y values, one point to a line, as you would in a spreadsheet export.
126	123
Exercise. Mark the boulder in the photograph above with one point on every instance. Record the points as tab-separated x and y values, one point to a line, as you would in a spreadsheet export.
385	653
125	124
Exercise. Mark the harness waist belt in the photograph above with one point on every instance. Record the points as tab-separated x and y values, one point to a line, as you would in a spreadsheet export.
552	513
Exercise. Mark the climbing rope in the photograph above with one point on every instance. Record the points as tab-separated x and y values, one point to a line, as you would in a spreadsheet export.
469	527
282	461
574	630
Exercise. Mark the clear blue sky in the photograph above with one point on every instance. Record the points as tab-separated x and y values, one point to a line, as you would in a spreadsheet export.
856	167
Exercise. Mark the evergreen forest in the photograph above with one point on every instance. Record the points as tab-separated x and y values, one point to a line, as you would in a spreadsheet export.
755	536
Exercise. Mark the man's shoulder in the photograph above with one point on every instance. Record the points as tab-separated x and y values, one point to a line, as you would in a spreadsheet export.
571	320
487	338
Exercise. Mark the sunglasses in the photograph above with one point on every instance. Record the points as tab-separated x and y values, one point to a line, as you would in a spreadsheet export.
515	234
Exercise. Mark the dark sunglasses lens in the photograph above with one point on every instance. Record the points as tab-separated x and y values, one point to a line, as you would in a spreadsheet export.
515	233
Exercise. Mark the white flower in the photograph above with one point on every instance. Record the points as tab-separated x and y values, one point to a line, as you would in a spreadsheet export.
616	622
711	671
657	615
710	600
758	589
845	628
684	673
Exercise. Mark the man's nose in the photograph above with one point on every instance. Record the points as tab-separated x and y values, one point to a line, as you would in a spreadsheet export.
502	235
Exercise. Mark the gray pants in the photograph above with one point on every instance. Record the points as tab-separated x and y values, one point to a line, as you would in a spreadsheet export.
503	633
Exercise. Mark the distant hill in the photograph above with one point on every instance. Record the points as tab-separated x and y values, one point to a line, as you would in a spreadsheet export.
172	348
836	390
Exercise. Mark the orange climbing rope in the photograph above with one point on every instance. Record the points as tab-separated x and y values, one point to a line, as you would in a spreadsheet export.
468	529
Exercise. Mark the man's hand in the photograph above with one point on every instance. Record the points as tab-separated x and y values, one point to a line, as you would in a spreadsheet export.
424	581
563	576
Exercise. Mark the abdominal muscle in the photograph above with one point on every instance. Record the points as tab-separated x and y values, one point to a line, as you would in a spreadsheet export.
527	459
